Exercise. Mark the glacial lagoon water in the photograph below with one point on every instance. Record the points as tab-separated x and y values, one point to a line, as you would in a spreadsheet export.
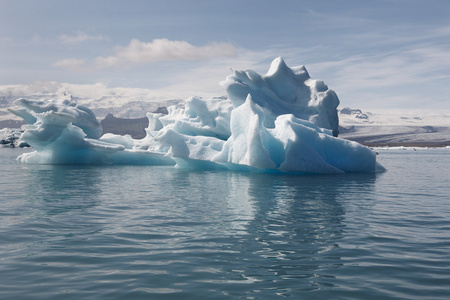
140	232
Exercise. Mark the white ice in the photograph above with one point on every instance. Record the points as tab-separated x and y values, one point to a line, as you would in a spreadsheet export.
281	122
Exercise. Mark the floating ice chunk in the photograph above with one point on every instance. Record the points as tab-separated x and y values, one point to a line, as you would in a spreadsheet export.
57	141
279	122
83	117
66	133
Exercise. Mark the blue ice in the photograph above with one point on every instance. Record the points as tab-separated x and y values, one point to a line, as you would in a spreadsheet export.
282	121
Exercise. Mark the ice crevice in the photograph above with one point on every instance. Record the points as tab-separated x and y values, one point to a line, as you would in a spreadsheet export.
283	122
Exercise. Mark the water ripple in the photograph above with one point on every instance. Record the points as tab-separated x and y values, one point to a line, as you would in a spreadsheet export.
74	232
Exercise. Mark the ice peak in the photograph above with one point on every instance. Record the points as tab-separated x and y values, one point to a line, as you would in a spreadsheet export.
277	66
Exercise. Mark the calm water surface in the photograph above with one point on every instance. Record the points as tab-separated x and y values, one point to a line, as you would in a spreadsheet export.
140	232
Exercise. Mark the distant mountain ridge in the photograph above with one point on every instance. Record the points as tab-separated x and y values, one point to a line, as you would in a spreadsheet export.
134	127
102	100
395	128
124	112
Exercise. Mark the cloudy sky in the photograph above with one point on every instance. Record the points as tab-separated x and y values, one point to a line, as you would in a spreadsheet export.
378	54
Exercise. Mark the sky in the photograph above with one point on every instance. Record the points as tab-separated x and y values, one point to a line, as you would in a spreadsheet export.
380	54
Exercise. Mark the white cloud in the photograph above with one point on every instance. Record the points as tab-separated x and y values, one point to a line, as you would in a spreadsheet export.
204	78
408	77
137	53
71	64
163	49
411	73
80	37
440	32
410	66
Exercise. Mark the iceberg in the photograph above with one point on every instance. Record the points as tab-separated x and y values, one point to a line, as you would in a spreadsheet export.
280	122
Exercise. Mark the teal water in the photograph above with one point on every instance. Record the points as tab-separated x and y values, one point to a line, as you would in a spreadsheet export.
140	232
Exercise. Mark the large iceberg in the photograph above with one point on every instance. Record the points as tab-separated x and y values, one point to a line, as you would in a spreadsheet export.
282	122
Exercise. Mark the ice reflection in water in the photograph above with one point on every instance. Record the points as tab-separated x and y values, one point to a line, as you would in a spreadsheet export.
117	232
295	228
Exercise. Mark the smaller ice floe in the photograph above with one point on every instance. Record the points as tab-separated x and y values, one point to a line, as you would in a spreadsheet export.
282	122
63	132
82	117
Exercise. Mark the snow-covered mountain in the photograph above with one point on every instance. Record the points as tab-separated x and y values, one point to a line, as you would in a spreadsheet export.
121	102
395	127
352	116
